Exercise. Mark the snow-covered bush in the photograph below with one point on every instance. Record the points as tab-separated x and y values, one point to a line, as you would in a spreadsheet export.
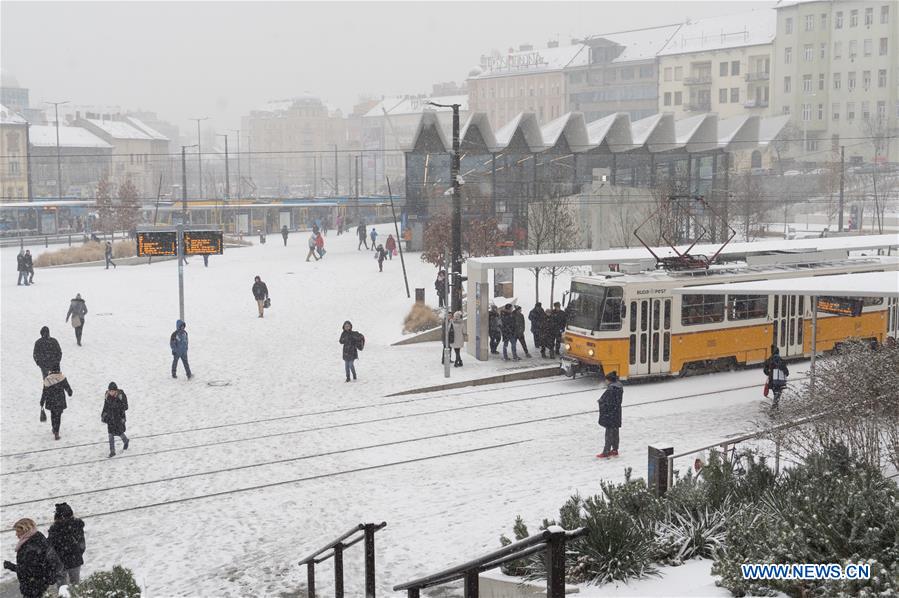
90	251
117	583
688	534
420	318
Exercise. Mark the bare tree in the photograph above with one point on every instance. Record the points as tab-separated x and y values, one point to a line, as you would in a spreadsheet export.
877	131
128	210
749	205
552	227
105	208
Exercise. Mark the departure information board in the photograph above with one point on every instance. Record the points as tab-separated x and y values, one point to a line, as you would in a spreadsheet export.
841	306
157	243
203	242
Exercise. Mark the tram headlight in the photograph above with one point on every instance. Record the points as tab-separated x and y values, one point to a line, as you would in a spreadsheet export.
568	346
590	352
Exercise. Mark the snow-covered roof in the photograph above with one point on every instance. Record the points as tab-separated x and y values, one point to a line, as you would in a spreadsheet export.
739	30
10	117
397	106
639	44
862	284
45	136
574	127
739	132
614	129
145	128
534	61
697	133
118	129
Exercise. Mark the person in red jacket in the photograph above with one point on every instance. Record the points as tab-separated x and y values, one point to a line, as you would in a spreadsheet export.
320	245
390	246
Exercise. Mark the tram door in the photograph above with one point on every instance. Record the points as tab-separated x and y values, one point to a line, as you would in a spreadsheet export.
788	324
893	318
650	336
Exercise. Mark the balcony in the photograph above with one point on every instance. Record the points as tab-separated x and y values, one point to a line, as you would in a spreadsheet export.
750	77
755	104
704	79
698	106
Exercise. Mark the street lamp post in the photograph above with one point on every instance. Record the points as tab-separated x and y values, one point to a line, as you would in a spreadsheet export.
237	132
181	229
58	154
200	152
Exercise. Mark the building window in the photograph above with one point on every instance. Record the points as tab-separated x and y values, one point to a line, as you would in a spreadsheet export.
823	21
788	87
835	142
809	52
811	144
837	80
867	47
853	48
882	78
678	73
881	110
869	16
820	111
883	46
837	50
851	84
788	55
722	69
667	98
806	84
678	98
822	52
850	110
885	14
788	26
786	110
806	112
821	78
866	110
866	80
838	21
835	111
722	96
646	72
13	166
853	18
668	73
735	67
734	95
809	22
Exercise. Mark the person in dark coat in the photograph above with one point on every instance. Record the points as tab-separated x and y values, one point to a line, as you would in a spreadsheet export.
66	536
520	329
115	404
440	286
610	414
53	397
559	320
178	342
494	329
390	246
260	294
37	565
77	311
548	334
284	234
351	343
108	254
29	266
22	269
777	371
536	317
360	232
47	353
380	255
507	325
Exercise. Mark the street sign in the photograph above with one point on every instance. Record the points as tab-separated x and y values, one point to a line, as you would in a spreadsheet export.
157	243
841	306
203	242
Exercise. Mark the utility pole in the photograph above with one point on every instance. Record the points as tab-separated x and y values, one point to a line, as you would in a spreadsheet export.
200	152
336	178
227	172
842	183
237	132
58	154
181	231
457	210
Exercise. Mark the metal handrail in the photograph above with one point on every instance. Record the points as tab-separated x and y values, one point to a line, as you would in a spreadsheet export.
337	547
552	541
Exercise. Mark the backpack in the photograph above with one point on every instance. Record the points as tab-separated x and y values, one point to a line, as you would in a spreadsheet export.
360	341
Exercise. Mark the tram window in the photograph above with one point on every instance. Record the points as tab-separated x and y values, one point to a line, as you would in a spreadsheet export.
666	350
792	305
643	348
633	317
799	330
783	331
644	315
655	347
747	307
633	349
611	315
702	309
801	305
774	341
869	301
655	315
776	305
667	315
793	332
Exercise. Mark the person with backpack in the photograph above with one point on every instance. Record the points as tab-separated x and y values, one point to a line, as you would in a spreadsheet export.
380	255
260	294
53	397
77	311
777	371
37	565
284	234
507	322
374	238
108	254
47	353
610	414
519	330
115	404
66	536
494	329
390	246
178	342
352	342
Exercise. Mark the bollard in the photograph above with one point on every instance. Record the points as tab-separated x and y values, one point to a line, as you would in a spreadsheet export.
419	295
657	472
70	240
46	241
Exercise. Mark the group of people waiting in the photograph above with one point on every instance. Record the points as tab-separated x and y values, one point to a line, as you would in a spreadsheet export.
508	325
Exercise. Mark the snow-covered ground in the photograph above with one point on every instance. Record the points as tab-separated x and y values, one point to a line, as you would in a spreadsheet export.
267	453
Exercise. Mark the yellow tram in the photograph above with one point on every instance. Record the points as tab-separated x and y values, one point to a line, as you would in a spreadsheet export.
635	325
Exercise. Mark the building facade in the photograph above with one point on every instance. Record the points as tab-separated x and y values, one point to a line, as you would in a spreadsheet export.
720	65
13	156
138	154
836	74
84	158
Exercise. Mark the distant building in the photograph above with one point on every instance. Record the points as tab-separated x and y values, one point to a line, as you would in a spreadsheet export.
13	156
719	64
84	159
16	98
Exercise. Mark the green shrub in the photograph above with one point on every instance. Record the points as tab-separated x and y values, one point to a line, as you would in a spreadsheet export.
689	534
117	583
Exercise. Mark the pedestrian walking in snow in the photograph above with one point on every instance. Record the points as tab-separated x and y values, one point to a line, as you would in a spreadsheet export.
115	404
66	536
559	321
374	238
494	329
440	285
352	342
610	414
777	371
326	224
457	337
205	260
261	236
339	222
178	343
311	243
320	246
260	294
548	335
284	234
29	266
519	330
37	565
507	323
108	254
536	317
360	232
77	311
22	269
53	397
390	246
380	255
47	354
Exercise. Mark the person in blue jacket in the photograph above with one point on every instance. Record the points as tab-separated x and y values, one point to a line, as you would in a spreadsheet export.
178	344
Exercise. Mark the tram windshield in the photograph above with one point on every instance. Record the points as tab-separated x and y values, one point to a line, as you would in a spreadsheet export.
594	307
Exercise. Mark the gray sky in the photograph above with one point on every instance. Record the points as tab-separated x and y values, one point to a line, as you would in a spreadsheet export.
220	59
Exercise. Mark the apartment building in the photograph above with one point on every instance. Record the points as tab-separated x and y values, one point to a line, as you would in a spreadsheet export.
14	152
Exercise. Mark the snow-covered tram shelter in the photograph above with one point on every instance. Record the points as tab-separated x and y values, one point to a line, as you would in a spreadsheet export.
637	258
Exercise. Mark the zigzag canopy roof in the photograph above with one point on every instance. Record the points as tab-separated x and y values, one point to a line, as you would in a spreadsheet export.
657	133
